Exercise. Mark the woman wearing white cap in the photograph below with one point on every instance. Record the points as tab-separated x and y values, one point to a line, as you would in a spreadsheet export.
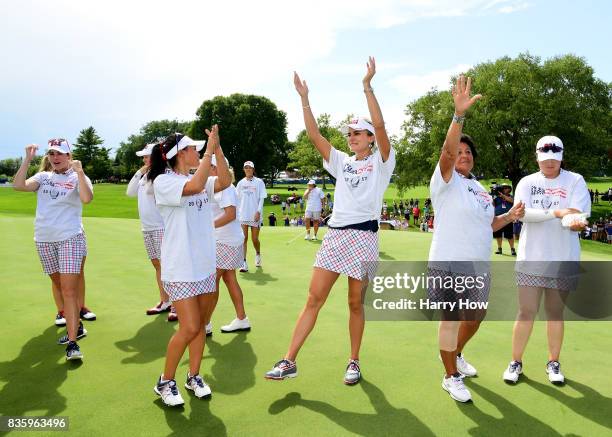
314	197
58	231
151	222
188	250
554	198
350	246
228	236
251	194
461	246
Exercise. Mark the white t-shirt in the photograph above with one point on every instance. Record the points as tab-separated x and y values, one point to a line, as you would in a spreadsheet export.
188	249
249	194
464	213
360	186
548	240
150	218
58	206
314	202
231	233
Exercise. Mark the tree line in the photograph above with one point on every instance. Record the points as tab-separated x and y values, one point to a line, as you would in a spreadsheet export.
524	98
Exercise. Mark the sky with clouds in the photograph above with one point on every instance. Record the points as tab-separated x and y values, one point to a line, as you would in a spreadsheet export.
116	65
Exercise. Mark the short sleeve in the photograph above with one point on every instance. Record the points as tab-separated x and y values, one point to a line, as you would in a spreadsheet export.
209	187
226	198
169	189
389	165
335	163
437	184
579	197
39	178
262	189
521	194
89	184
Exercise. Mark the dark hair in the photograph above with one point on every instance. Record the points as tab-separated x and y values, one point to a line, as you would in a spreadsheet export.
470	142
159	163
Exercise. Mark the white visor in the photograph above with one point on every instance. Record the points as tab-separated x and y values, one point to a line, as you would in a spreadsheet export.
184	142
148	149
357	124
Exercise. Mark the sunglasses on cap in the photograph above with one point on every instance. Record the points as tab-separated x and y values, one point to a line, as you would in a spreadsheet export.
550	148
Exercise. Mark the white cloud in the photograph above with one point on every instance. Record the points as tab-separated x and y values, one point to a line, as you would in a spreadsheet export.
415	85
117	64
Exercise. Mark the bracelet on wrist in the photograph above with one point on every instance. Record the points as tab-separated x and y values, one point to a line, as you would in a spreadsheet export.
207	154
459	119
305	106
368	89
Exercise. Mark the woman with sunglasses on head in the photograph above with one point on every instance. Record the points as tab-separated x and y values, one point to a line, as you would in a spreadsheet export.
58	230
461	245
549	244
229	240
187	250
251	192
152	224
350	246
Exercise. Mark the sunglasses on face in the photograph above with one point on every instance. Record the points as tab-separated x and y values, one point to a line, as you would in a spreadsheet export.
550	148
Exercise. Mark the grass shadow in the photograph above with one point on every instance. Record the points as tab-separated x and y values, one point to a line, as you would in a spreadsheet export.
383	255
234	368
149	343
33	378
386	420
258	276
591	405
200	421
514	421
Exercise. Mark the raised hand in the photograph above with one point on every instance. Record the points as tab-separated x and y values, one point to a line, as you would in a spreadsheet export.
461	95
213	138
300	85
31	151
371	66
76	165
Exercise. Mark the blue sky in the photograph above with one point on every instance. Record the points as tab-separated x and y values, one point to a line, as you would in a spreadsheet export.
116	65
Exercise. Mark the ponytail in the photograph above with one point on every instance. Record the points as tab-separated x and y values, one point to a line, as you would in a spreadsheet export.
159	163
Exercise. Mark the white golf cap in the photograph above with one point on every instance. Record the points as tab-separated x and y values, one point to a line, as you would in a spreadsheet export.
148	149
312	182
249	164
59	145
357	124
185	141
213	160
549	147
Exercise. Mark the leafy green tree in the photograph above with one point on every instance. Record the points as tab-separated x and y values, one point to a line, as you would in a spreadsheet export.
523	100
305	157
94	158
126	162
251	128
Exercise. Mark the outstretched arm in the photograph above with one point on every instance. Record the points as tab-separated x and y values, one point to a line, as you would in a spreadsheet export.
450	149
382	139
19	181
310	122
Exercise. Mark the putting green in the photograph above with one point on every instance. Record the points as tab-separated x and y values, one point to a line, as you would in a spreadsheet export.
111	392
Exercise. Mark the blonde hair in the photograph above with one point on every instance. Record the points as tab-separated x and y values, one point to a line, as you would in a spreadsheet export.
45	164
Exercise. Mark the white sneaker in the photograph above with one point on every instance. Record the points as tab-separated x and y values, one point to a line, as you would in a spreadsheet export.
258	260
464	367
456	388
197	385
169	393
245	267
553	368
512	373
307	237
314	237
237	325
209	329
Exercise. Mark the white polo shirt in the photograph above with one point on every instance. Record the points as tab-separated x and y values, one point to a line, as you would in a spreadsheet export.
58	206
150	218
188	249
314	202
249	194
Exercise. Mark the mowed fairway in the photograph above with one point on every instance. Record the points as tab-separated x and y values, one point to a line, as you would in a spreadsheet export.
111	392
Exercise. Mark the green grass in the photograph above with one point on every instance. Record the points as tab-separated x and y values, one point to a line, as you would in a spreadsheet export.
111	392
